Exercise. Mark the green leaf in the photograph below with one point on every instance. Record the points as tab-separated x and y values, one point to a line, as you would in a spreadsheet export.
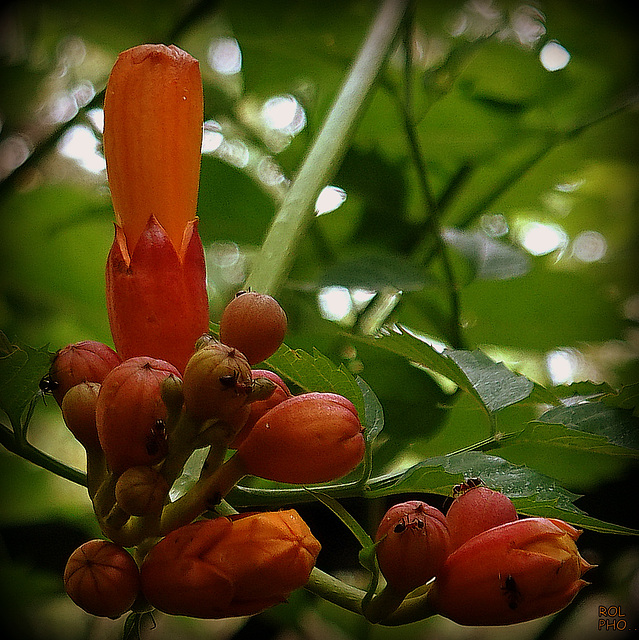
626	398
21	369
533	493
317	373
491	383
619	427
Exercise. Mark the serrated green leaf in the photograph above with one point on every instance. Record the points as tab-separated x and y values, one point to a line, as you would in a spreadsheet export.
491	383
495	384
626	398
618	426
316	372
584	388
21	369
533	493
558	437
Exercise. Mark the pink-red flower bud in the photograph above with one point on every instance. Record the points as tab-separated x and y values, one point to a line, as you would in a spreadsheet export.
230	566
313	437
102	578
85	361
413	544
475	510
511	573
130	413
156	297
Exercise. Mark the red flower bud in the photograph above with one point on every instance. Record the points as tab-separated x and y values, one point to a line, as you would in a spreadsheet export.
130	414
86	361
413	544
156	297
102	578
217	382
313	437
230	566
155	277
78	411
255	324
260	407
475	510
511	573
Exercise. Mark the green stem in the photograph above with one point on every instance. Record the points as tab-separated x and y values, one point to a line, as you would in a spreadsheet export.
27	451
297	209
431	224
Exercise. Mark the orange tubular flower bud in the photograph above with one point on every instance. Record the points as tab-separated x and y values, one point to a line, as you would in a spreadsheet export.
511	573
230	566
156	280
310	438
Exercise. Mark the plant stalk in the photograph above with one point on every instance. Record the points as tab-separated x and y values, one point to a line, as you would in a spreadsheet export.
297	210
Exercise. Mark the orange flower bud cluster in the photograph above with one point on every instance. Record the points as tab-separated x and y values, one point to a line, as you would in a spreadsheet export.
489	567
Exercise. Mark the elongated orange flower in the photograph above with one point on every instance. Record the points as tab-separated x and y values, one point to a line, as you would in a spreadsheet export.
511	573
155	276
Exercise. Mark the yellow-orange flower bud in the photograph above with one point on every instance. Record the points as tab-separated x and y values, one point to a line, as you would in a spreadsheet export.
230	566
511	573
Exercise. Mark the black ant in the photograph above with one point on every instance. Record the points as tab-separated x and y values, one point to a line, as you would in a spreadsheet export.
511	592
409	521
467	485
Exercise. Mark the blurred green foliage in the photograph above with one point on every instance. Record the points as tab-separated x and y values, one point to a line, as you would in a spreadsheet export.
532	180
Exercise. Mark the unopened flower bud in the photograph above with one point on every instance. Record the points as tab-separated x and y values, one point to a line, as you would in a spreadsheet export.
413	544
230	566
102	578
475	510
130	413
255	324
141	490
313	437
86	361
78	411
511	573
217	382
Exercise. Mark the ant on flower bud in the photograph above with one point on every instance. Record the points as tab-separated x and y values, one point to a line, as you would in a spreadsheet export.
467	485
407	523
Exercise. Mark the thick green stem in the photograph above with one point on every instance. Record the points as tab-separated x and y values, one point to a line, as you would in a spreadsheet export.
297	210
